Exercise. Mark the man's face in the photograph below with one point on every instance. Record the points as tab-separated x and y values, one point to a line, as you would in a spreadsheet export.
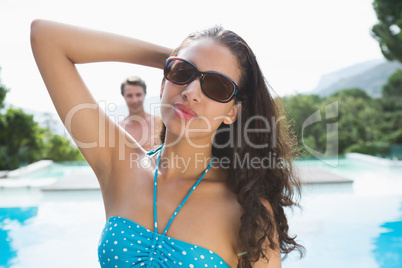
134	96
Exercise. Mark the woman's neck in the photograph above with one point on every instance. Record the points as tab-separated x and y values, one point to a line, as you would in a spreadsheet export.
183	158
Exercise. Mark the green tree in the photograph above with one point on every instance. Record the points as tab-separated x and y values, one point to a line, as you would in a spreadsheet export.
299	108
59	149
388	30
393	88
391	103
3	93
358	118
21	139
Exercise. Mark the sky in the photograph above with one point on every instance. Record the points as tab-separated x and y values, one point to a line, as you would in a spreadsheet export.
296	42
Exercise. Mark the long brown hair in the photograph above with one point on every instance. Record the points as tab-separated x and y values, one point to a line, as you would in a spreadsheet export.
255	185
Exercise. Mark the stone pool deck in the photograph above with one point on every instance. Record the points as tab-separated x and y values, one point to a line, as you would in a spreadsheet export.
88	181
73	182
316	175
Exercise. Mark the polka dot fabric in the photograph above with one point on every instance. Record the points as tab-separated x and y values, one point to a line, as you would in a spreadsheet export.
124	243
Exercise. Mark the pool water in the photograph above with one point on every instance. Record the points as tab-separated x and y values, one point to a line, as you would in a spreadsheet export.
388	251
8	217
58	170
58	229
355	224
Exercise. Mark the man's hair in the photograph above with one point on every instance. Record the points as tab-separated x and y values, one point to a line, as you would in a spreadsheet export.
135	81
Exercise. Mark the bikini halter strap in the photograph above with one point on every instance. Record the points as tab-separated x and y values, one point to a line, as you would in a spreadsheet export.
184	200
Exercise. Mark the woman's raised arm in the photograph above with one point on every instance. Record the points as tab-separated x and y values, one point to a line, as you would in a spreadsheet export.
57	48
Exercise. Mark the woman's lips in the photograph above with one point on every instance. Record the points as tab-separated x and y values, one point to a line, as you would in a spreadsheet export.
182	111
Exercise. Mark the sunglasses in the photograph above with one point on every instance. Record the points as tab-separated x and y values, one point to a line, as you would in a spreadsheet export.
214	85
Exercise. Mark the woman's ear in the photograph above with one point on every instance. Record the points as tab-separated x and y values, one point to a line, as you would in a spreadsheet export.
232	115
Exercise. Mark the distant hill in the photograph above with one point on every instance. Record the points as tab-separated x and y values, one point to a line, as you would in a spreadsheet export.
369	76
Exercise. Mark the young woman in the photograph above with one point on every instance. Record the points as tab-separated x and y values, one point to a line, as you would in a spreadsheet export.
214	194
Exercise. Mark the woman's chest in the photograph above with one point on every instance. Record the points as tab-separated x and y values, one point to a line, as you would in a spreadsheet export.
125	243
205	219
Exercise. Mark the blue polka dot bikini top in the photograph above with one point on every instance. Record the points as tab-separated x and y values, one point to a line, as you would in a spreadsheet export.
124	243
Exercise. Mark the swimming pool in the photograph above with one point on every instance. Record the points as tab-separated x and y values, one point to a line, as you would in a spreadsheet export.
58	170
351	225
341	225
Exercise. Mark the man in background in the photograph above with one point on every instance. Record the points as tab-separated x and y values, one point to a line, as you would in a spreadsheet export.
142	126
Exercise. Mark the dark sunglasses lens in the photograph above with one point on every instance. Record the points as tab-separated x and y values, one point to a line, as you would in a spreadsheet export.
180	72
218	87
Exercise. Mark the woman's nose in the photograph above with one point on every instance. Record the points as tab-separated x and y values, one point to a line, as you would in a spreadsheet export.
192	91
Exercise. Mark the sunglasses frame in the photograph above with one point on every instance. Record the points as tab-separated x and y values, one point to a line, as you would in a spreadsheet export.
201	75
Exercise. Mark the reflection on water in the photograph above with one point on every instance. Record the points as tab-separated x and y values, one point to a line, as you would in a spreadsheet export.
388	251
9	217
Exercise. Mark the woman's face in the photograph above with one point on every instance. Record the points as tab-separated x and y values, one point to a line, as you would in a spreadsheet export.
186	110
